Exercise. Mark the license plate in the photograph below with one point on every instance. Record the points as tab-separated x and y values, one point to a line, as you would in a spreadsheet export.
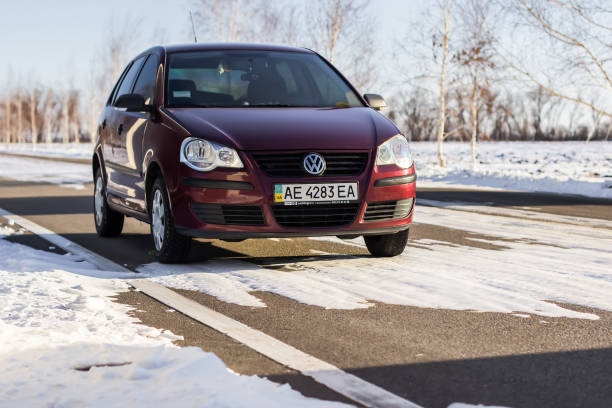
315	193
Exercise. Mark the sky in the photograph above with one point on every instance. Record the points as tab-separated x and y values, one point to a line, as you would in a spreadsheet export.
54	42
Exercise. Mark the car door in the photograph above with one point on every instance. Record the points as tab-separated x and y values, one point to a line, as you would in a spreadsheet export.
121	167
135	126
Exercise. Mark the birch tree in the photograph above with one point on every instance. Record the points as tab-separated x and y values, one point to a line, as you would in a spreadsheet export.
227	20
575	37
476	57
331	20
338	30
65	117
48	116
7	109
33	105
446	18
19	103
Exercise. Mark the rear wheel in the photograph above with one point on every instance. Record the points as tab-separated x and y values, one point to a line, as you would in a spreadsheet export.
109	222
386	245
170	246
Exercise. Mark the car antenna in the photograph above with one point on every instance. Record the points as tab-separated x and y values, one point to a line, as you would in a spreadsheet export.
195	38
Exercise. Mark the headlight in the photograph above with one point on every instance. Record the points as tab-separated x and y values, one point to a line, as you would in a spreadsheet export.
202	155
395	151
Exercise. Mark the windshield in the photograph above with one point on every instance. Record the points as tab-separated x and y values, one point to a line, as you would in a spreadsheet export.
255	79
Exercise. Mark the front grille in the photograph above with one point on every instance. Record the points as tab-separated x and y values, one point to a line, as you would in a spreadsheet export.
388	210
228	214
290	164
316	215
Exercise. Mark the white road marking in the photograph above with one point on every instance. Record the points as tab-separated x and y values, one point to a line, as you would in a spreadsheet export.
67	245
350	386
513	212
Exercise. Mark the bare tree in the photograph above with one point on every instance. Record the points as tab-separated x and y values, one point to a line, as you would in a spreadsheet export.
476	57
580	50
446	16
107	63
19	102
415	114
227	20
337	30
33	105
7	108
331	19
65	101
49	116
540	99
596	118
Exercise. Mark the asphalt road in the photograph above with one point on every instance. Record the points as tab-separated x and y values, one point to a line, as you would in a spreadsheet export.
432	357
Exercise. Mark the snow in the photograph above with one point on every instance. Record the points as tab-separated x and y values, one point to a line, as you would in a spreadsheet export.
556	167
65	343
70	150
538	263
47	171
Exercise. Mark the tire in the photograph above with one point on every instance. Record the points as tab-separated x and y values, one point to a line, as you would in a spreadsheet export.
386	245
170	246
109	222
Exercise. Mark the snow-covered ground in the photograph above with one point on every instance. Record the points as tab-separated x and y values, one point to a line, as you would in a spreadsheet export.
556	167
48	171
70	150
64	343
536	263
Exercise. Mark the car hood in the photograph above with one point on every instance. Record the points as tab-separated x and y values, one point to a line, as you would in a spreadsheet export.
287	128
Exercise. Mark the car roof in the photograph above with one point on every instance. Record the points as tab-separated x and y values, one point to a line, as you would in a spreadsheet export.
233	46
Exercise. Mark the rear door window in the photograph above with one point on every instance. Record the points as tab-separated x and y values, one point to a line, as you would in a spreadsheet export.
145	84
128	79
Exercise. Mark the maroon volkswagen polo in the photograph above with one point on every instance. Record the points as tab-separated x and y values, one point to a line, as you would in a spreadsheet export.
235	141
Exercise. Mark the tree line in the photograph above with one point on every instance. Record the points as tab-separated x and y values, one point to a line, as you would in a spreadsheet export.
467	70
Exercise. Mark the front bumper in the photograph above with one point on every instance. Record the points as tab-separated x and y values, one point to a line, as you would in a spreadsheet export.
252	187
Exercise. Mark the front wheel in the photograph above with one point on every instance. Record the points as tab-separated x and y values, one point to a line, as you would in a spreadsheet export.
170	246
386	245
109	222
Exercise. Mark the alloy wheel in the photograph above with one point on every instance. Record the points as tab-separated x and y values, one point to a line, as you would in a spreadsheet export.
158	220
99	200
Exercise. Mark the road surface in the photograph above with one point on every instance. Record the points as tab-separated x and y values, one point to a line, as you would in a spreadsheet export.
431	355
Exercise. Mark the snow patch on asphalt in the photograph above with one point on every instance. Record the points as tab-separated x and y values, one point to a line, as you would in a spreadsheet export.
538	263
63	342
45	171
555	167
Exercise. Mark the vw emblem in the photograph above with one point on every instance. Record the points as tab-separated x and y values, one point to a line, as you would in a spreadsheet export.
314	164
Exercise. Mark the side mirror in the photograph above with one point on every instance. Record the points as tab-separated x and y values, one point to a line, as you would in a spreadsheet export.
375	101
133	103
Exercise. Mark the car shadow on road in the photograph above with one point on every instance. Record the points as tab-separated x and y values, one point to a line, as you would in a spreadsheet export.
571	379
135	249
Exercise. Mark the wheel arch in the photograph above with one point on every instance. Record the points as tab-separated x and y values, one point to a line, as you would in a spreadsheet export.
153	172
96	164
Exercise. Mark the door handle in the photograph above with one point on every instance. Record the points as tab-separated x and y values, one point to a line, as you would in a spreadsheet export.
120	129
